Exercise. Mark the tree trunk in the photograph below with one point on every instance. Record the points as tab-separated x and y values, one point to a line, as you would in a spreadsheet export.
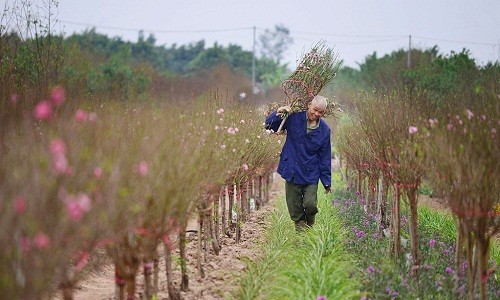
173	293
223	198
183	256
238	209
413	200
396	224
199	265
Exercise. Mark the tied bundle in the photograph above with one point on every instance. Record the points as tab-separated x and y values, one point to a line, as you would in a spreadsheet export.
317	68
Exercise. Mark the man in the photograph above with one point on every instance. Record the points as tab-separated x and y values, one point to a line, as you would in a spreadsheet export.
305	158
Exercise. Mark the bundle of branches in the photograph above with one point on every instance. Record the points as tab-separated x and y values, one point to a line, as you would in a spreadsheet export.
317	68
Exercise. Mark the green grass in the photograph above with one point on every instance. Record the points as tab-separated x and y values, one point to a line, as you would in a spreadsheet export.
302	265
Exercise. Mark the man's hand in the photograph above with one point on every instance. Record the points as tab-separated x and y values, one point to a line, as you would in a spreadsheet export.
283	111
328	190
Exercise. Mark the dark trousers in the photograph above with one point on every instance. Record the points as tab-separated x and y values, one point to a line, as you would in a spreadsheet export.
302	202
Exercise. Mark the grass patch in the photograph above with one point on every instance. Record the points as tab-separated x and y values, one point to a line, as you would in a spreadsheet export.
387	278
304	265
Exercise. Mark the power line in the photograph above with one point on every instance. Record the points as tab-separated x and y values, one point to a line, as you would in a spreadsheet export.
451	41
386	38
156	30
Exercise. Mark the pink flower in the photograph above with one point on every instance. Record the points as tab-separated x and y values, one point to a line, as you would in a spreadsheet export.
412	129
83	201
58	96
77	206
41	240
469	114
432	242
19	205
14	98
220	111
60	164
223	146
43	111
97	172
448	270
245	167
242	121
92	117
25	244
216	127
58	147
74	211
81	115
143	168
450	127
231	130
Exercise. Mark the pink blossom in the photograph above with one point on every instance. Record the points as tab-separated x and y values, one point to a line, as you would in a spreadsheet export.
412	129
77	206
92	117
97	172
58	147
143	168
493	130
81	115
242	121
432	242
19	205
83	201
247	141
41	240
216	127
450	127
469	114
25	244
448	270
14	98
223	146
43	111
245	167
60	163
236	129
231	130
220	111
74	211
58	96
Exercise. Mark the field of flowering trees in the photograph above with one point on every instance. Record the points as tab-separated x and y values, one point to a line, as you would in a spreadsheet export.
107	160
116	181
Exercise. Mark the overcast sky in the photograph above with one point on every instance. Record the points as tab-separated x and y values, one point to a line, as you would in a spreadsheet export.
355	28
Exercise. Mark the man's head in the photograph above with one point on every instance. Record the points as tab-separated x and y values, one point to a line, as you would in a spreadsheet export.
316	108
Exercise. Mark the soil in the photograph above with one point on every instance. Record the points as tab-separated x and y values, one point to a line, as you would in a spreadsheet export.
221	271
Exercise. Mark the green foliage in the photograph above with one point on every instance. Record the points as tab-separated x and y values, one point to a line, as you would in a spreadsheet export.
312	263
384	278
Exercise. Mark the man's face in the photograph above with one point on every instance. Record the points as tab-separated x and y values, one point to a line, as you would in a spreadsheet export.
315	111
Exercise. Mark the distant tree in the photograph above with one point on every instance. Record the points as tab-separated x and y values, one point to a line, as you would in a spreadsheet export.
209	58
274	43
144	50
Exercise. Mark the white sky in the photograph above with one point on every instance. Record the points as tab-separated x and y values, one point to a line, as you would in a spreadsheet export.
355	28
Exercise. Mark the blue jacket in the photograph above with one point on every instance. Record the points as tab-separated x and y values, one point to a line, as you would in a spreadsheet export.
306	158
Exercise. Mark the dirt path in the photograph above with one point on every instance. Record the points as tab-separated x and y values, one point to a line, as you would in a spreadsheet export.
221	272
